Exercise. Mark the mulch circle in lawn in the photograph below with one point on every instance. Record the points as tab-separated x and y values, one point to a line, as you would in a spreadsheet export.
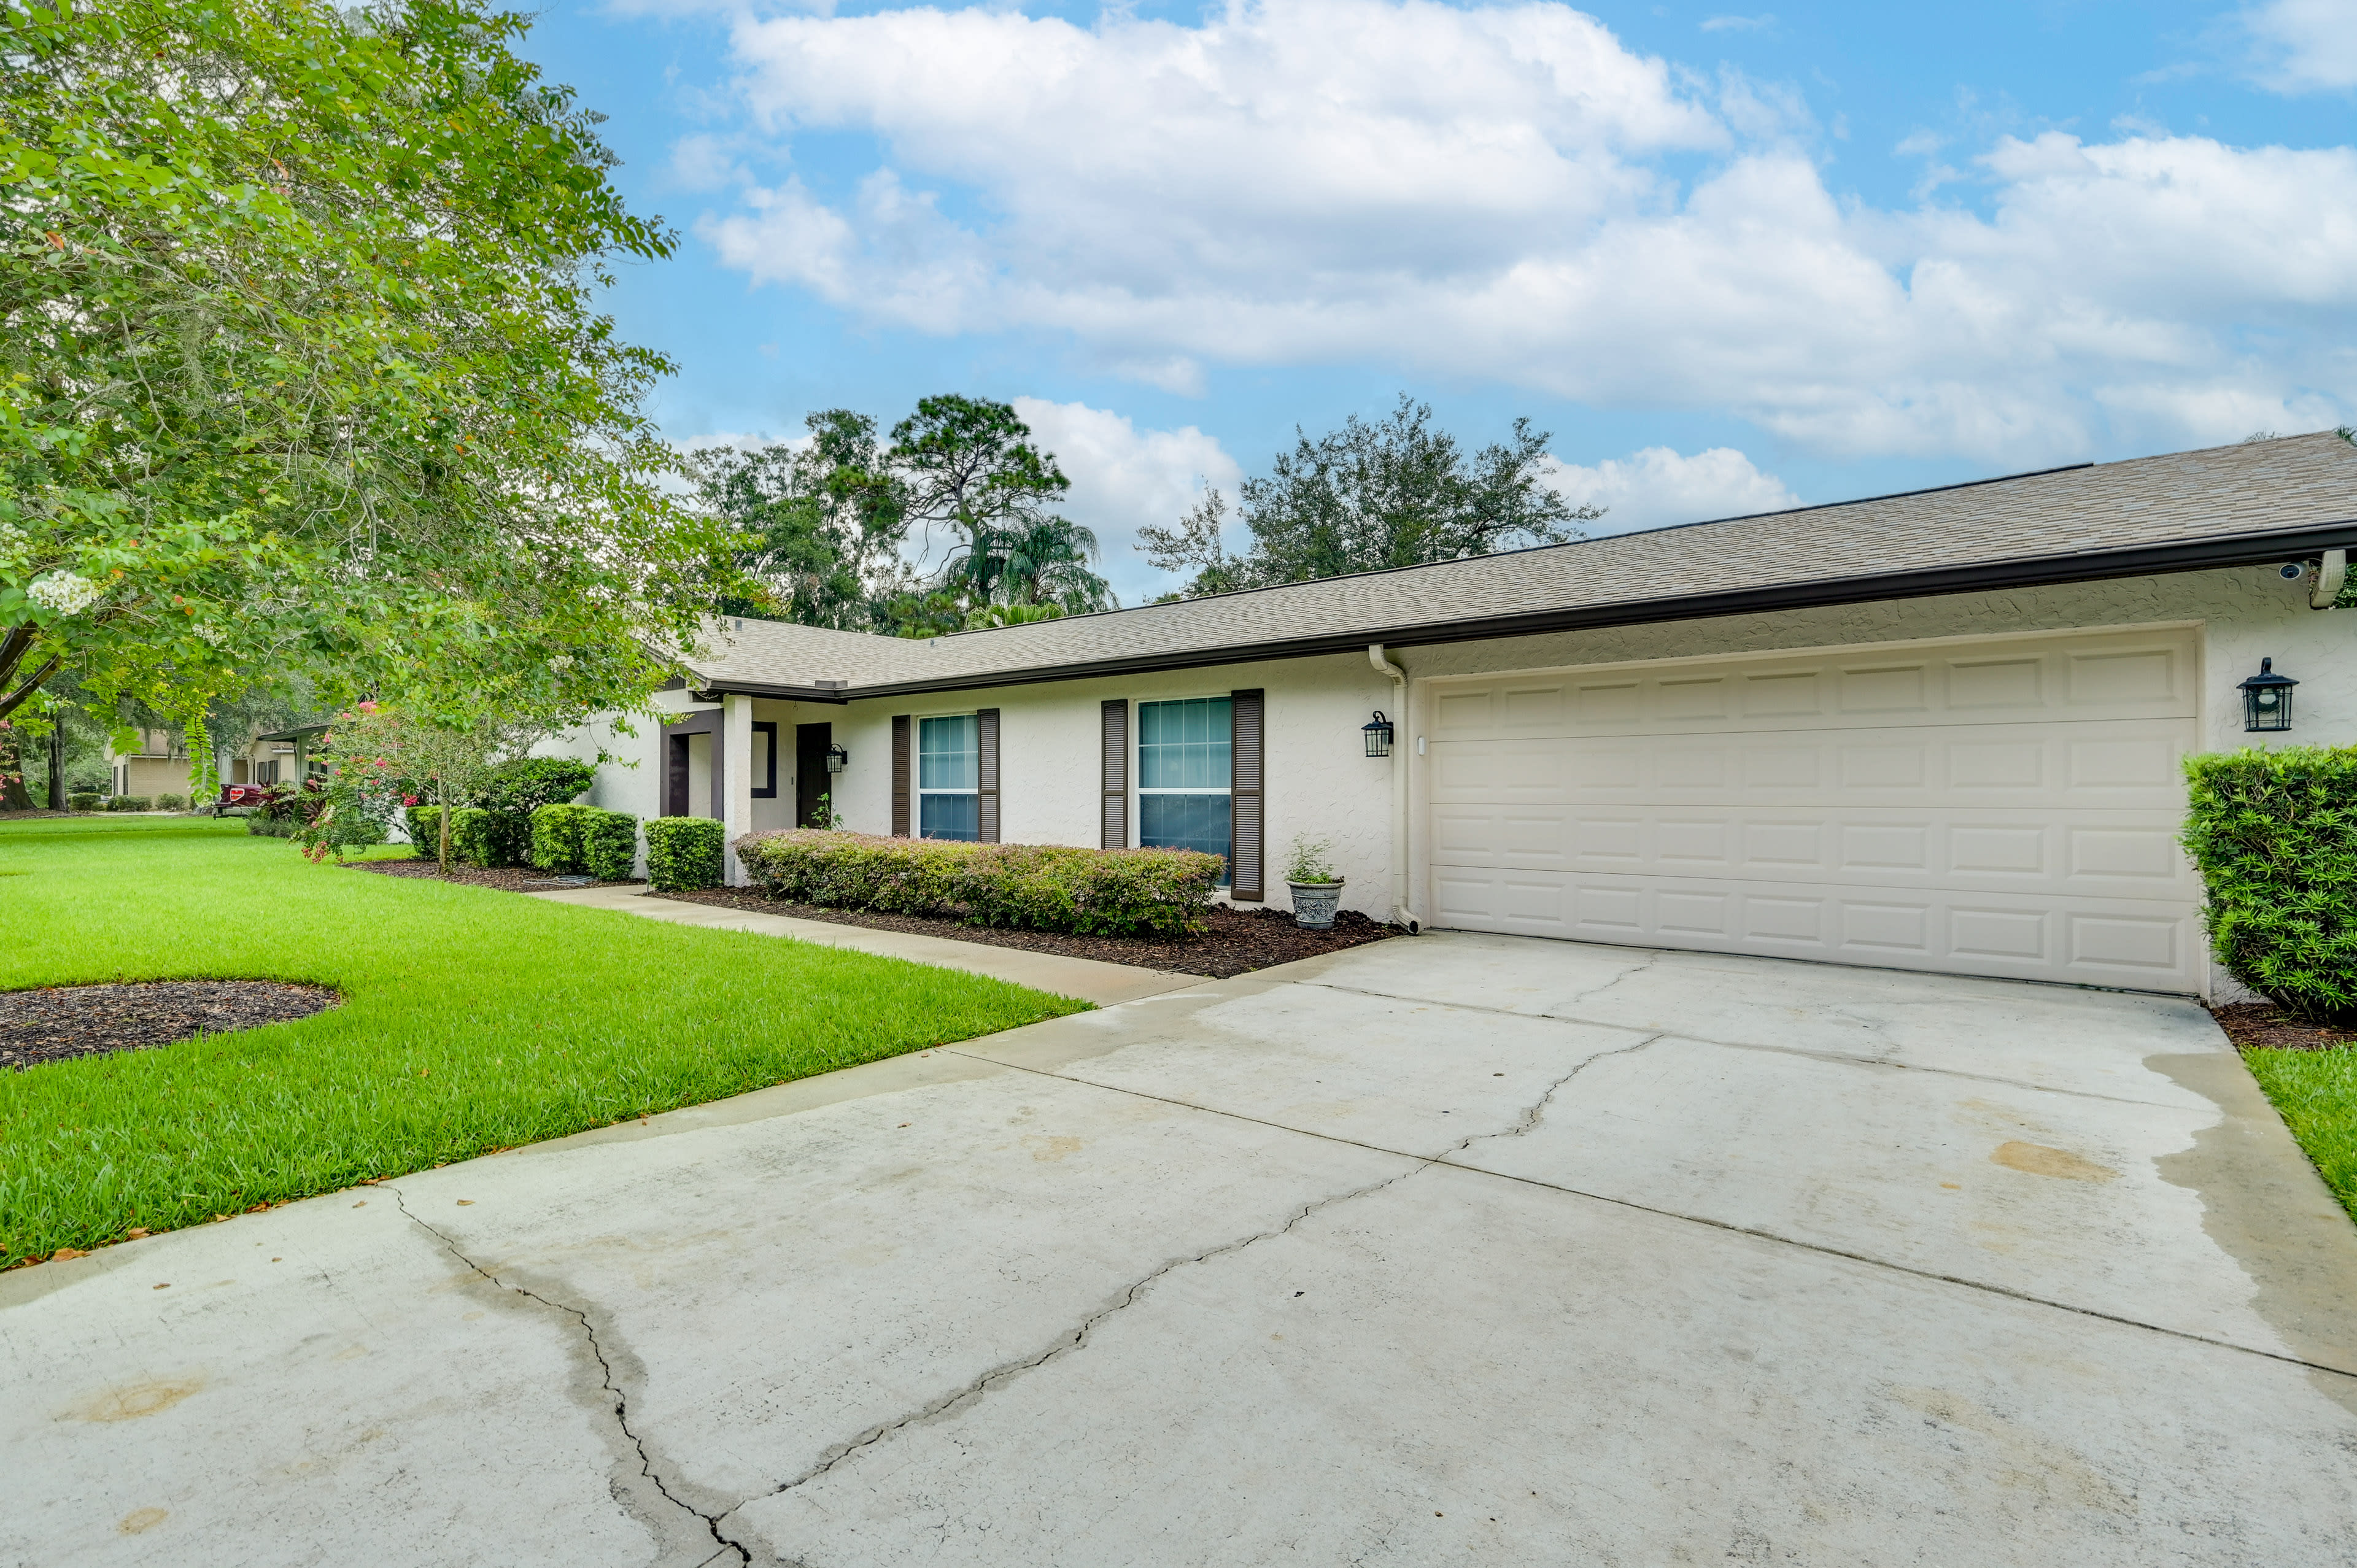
510	878
1237	943
2264	1026
51	1024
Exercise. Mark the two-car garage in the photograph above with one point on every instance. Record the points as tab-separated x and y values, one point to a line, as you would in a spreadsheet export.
2005	807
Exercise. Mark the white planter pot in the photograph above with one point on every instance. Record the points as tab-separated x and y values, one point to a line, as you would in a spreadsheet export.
1314	903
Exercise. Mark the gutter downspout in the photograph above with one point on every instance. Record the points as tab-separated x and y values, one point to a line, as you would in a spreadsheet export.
2331	572
1400	916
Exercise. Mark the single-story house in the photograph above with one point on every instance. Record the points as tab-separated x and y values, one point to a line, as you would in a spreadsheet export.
159	766
1939	730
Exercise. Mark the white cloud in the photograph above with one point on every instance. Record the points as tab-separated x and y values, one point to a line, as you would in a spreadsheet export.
1123	478
1498	191
1657	486
2305	46
1737	23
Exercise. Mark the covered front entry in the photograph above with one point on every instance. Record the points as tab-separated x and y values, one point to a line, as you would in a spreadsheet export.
1989	806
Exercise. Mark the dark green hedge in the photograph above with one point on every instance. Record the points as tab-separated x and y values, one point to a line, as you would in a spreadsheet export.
1047	887
2274	834
684	852
577	841
126	804
556	839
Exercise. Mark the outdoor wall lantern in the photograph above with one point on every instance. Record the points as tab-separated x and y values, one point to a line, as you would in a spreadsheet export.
838	759
2267	699
1379	735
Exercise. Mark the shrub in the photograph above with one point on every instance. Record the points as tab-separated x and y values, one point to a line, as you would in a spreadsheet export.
609	844
1049	888
2274	834
171	802
475	837
425	825
127	803
528	783
1311	861
557	838
683	853
83	801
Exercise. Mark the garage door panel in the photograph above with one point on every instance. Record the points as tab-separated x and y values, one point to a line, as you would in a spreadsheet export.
2104	855
2005	808
2123	764
2146	945
2065	675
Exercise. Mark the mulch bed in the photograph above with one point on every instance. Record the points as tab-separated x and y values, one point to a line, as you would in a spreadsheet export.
510	878
1238	941
2266	1026
48	1026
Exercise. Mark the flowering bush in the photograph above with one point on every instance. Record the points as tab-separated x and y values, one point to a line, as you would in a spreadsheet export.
1047	888
63	593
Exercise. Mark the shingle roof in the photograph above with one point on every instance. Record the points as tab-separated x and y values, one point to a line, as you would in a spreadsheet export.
2183	511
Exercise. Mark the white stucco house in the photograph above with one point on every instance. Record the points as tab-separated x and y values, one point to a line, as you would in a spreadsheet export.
1935	731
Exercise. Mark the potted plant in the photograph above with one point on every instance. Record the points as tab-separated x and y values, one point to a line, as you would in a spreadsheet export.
1317	885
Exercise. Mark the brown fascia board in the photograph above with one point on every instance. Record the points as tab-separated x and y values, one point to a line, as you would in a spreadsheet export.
2041	571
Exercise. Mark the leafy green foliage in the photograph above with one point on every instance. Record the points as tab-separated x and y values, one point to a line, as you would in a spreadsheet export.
472	1020
127	803
823	522
609	844
1047	888
82	801
556	839
303	369
1370	497
2275	834
684	852
482	838
1311	860
526	784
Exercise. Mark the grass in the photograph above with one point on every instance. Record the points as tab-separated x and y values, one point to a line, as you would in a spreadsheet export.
2317	1093
474	1020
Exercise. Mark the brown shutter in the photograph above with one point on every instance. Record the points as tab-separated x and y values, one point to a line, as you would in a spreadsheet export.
1244	799
1113	829
985	729
901	776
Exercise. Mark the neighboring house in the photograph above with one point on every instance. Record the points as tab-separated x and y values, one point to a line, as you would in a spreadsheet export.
155	766
1937	731
159	766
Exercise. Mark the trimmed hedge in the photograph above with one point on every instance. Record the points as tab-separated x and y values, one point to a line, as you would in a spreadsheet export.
684	852
425	825
1047	887
172	802
2274	834
82	801
557	838
609	844
476	837
127	803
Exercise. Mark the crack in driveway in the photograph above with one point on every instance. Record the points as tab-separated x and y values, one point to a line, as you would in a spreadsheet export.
1537	1111
621	1406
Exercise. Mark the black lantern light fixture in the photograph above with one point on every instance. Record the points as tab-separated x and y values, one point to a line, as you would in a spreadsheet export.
838	759
2267	699
1378	734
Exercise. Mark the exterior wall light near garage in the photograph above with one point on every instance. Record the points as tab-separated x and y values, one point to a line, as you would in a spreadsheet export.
2267	699
1379	735
838	759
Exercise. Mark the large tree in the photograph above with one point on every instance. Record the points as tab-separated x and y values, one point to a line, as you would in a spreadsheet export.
822	521
301	368
1372	495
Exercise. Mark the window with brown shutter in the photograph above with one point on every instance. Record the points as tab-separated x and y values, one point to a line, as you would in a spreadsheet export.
986	724
1115	825
901	776
1246	856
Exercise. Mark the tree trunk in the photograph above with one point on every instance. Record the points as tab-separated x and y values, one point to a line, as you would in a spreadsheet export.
58	764
443	823
14	796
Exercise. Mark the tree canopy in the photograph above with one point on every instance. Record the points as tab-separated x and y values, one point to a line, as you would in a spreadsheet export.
1369	496
302	368
827	520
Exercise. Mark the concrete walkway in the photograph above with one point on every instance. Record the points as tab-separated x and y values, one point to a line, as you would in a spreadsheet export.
1085	978
1450	1250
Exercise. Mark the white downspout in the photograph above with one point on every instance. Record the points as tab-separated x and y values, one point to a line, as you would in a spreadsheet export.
2330	574
1400	916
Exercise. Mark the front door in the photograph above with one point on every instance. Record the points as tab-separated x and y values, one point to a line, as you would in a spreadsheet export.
810	776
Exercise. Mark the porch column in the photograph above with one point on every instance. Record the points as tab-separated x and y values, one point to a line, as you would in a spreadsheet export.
735	807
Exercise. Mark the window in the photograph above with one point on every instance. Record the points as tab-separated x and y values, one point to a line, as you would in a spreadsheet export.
1184	772
949	772
765	759
265	773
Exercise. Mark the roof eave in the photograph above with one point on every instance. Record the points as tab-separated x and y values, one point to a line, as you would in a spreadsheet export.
2039	571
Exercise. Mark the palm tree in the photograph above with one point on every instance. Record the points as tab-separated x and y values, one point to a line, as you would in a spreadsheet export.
1033	561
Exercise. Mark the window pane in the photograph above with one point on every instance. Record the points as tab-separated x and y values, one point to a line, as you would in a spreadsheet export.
948	753
1184	745
949	817
1185	821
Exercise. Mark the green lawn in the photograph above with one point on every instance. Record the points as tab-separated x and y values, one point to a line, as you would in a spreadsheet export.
474	1020
2317	1093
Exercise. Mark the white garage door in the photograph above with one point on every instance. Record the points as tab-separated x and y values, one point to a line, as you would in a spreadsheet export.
2001	806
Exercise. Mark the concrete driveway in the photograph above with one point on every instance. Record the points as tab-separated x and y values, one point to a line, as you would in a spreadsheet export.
1457	1250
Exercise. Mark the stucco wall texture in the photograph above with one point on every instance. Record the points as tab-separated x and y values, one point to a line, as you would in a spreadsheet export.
1320	784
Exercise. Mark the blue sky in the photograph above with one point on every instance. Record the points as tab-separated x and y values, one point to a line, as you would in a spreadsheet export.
1731	258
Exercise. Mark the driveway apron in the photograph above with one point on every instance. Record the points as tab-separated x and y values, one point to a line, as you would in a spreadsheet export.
1451	1249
